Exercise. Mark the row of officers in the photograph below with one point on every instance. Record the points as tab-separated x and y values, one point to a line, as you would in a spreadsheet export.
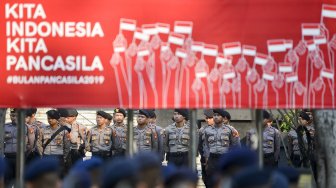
68	140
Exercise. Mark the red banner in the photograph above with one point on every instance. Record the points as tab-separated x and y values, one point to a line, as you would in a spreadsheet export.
168	54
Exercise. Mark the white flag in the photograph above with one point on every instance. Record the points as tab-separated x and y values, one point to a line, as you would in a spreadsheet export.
197	46
127	24
150	29
327	73
180	52
292	78
329	11
320	39
233	48
210	50
268	76
183	27
249	50
311	29
285	67
163	28
260	59
175	38
277	45
140	35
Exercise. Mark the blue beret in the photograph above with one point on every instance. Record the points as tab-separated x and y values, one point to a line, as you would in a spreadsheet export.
223	113
252	177
109	116
39	167
77	178
118	170
147	160
208	113
304	116
181	175
291	173
102	114
242	157
279	180
72	112
30	111
90	164
67	112
151	113
120	110
53	114
144	112
168	171
183	112
266	115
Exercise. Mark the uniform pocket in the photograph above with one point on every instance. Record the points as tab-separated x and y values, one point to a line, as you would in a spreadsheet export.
8	135
172	142
147	142
107	140
225	140
211	139
185	139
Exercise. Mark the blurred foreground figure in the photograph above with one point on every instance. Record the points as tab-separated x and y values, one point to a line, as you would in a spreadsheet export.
121	173
42	173
77	178
149	166
180	178
259	178
292	175
93	167
232	163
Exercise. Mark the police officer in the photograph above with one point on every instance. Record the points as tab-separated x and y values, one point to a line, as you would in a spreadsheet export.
159	131
54	139
10	145
145	138
296	156
109	119
34	127
120	130
100	137
209	123
313	153
218	139
177	139
77	135
271	141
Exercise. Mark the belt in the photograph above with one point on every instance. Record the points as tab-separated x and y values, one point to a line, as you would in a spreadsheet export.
215	155
176	154
56	156
101	153
268	154
10	155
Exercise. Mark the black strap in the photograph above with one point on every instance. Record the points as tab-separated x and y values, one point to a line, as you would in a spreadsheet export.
55	134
